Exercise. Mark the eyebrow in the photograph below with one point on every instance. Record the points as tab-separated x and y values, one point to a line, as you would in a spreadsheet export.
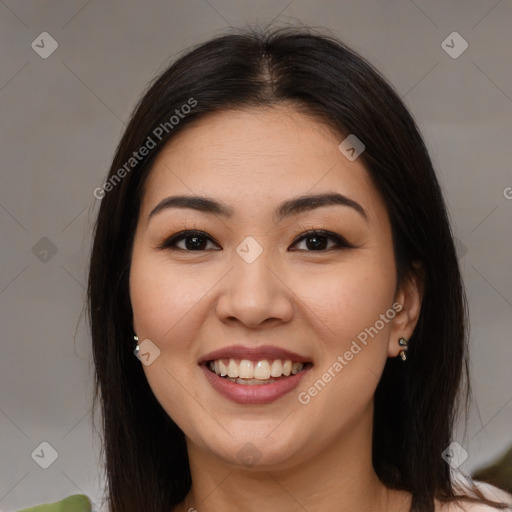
287	208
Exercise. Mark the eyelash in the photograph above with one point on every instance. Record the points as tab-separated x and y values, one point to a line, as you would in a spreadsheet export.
341	242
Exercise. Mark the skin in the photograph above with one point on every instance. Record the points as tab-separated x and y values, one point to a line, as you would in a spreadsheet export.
314	456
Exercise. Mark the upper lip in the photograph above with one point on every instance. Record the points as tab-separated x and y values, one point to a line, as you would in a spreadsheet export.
253	354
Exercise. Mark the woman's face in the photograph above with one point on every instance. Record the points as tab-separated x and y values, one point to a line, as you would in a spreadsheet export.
254	290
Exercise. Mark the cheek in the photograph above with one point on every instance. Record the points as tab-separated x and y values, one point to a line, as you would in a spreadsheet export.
349	298
355	303
162	301
162	296
353	341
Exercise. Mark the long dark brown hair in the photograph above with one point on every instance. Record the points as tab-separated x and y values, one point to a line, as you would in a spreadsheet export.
416	404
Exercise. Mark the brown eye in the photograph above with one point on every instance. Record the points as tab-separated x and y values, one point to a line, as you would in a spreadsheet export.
317	241
194	241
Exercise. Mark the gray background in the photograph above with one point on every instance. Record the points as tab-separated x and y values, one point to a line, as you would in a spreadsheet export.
62	118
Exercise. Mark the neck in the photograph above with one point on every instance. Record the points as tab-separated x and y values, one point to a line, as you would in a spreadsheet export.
338	478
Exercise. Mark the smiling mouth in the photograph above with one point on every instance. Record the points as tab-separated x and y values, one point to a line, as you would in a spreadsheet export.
247	372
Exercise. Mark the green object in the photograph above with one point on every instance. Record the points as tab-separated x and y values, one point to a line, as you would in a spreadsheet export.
498	473
75	503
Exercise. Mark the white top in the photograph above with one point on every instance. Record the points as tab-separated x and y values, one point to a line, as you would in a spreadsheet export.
489	491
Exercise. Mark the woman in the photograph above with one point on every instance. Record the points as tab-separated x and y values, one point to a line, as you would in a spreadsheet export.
273	242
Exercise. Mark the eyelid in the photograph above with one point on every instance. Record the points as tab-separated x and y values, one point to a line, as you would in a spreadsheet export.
167	243
340	241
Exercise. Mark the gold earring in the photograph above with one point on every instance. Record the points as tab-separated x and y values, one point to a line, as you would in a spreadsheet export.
403	343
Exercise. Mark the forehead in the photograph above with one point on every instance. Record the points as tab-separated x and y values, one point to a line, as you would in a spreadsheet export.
250	157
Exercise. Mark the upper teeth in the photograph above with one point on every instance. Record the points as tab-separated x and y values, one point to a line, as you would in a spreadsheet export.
261	370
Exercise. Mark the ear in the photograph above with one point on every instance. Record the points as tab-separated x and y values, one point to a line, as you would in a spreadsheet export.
408	304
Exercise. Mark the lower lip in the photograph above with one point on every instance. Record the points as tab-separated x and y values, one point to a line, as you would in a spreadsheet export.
256	393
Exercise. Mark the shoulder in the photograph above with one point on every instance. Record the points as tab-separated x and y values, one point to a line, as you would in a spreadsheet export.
489	491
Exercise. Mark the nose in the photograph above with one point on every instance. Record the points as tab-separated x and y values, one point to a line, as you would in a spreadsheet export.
255	294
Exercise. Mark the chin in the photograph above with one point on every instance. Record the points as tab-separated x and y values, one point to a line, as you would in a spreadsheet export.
256	451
